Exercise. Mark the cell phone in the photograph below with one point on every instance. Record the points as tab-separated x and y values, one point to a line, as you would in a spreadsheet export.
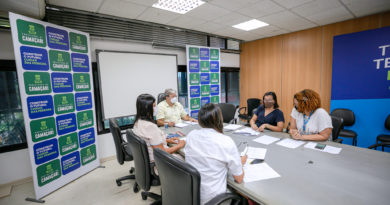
257	161
320	146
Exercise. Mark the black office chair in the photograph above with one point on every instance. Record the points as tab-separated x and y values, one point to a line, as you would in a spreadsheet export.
383	137
382	144
349	119
228	112
252	103
145	176
160	97
123	151
180	182
337	123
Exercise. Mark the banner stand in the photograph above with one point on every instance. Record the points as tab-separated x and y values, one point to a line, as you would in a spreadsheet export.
35	200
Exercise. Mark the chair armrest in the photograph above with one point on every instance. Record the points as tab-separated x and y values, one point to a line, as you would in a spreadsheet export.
239	110
338	140
219	199
233	121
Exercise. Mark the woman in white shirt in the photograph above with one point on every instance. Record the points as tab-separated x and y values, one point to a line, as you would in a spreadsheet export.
213	154
146	127
308	120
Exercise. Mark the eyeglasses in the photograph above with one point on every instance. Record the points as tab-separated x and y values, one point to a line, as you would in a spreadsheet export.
268	100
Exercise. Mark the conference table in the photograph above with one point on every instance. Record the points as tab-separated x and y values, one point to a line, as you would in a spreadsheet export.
354	176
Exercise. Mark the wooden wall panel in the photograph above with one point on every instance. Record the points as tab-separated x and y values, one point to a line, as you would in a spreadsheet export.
291	62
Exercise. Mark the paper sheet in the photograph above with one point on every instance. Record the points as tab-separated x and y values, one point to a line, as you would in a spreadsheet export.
290	143
190	123
232	127
256	153
265	139
328	149
180	125
247	130
258	172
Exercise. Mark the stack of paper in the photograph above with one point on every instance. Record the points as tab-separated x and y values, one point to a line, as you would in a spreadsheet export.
328	149
232	127
256	172
180	125
247	131
290	143
265	139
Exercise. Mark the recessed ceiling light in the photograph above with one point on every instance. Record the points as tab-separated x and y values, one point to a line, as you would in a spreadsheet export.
250	25
178	6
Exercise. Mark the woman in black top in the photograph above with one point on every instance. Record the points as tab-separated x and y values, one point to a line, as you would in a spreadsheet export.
268	116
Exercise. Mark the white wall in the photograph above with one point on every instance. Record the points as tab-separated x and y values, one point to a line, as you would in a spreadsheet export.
16	165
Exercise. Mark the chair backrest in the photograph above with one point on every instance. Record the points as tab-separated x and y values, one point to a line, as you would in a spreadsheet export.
337	123
180	182
387	122
228	111
118	141
160	97
347	115
140	153
252	103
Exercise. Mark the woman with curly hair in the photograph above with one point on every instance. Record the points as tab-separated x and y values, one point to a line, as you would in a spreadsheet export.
308	120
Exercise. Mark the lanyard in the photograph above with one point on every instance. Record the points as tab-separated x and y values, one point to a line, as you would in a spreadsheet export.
306	121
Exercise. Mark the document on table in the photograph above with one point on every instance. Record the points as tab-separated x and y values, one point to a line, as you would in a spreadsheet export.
181	125
232	127
191	123
247	131
256	172
255	153
290	143
328	149
265	139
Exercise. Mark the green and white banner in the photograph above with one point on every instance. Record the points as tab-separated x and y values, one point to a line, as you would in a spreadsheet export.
204	79
55	82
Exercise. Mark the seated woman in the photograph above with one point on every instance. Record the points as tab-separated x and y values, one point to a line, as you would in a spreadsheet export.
268	116
213	154
308	120
146	128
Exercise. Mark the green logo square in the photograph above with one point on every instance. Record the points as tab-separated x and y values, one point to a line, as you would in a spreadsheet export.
84	119
215	99
194	79
64	103
43	129
59	61
37	83
204	66
48	172
30	33
214	54
81	82
205	90
88	154
214	78
78	42
195	103
68	143
193	53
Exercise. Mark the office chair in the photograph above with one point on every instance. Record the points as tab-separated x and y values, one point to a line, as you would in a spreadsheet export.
123	151
180	182
145	176
228	112
349	119
337	123
382	144
252	103
383	137
160	98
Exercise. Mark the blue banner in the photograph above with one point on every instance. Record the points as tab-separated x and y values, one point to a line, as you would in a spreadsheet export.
194	66
204	78
62	82
66	123
204	54
70	162
83	101
40	106
214	66
204	100
45	151
34	58
214	90
80	62
86	137
57	38
194	91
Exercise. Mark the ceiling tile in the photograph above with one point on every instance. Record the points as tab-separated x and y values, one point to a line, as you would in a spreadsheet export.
186	22
208	27
232	19
367	7
121	9
233	5
207	12
269	30
247	36
227	31
291	3
142	2
158	16
262	8
287	20
316	7
87	5
330	16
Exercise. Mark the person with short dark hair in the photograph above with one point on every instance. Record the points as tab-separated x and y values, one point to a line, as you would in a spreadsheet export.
146	128
213	154
268	116
308	120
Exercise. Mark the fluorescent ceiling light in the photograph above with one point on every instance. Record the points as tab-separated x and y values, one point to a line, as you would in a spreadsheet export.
250	25
178	6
